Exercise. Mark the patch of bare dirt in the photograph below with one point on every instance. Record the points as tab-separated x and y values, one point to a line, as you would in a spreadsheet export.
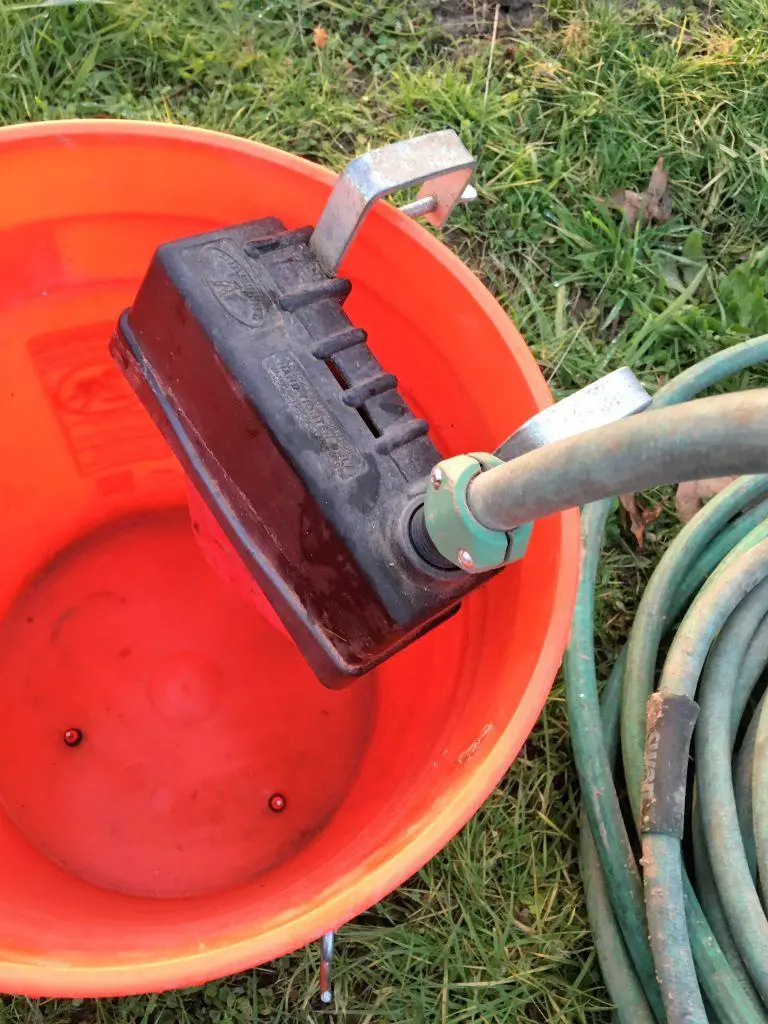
474	18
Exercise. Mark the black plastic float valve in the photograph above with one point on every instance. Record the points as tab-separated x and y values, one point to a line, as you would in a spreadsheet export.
298	441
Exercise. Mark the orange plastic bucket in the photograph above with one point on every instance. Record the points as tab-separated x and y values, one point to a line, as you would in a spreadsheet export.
150	713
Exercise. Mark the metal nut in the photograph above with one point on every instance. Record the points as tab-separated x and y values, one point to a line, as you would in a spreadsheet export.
436	478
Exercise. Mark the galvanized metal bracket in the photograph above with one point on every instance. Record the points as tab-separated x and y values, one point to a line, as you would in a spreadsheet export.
455	532
606	400
439	160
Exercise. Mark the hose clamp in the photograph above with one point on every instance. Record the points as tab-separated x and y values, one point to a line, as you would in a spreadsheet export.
454	530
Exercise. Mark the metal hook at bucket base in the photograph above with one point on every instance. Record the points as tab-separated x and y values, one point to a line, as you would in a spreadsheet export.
326	967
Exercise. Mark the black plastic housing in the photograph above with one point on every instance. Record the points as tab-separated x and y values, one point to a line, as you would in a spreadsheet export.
298	441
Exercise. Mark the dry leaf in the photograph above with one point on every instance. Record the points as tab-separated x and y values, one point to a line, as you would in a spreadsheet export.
658	205
657	185
320	37
639	517
574	36
690	495
720	45
654	204
628	202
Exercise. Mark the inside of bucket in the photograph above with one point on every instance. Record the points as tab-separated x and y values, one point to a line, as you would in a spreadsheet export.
173	779
173	740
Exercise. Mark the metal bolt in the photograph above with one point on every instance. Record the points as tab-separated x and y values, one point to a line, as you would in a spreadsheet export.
436	478
428	204
326	967
72	737
465	559
277	802
420	207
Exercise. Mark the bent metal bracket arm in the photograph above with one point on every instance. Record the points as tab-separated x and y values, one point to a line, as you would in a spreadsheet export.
439	162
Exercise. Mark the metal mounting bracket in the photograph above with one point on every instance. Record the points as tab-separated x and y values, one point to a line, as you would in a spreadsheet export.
606	400
439	160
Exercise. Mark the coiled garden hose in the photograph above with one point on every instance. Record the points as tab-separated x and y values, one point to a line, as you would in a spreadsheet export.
677	884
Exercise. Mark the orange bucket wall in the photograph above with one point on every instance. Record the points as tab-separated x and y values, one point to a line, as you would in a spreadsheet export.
147	856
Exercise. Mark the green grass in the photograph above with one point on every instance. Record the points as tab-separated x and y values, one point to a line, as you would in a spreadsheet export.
493	929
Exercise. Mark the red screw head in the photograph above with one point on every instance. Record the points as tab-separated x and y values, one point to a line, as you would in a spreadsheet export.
72	737
277	802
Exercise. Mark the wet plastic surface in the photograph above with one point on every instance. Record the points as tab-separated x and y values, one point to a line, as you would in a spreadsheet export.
194	710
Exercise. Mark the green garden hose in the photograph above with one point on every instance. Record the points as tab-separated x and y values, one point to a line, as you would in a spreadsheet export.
672	884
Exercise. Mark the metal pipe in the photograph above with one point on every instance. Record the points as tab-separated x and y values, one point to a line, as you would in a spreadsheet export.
720	436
